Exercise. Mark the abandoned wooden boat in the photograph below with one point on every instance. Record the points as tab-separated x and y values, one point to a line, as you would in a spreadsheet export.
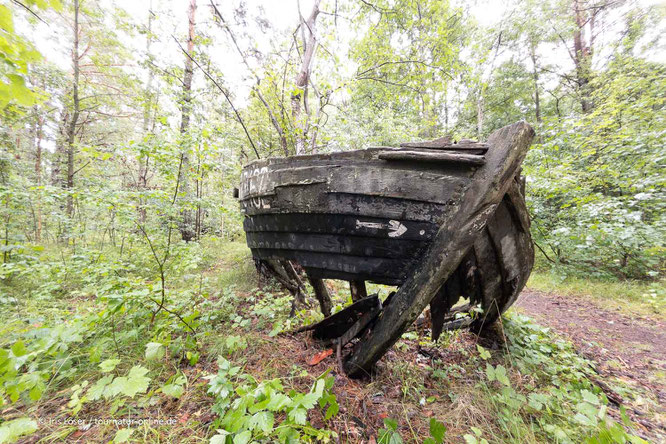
388	215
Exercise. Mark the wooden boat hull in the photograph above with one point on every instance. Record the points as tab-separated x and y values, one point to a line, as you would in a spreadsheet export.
441	221
351	216
494	271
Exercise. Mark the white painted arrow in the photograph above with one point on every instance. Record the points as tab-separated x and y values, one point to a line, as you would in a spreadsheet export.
396	229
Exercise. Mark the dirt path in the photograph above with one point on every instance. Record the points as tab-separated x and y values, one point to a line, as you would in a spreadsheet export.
629	351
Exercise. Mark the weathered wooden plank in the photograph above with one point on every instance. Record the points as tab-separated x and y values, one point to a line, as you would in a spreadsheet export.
446	143
339	224
446	297
435	157
456	235
438	310
337	324
322	202
343	263
379	276
361	324
363	179
336	244
489	278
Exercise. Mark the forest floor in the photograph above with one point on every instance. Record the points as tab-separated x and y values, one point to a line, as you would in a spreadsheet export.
626	348
561	361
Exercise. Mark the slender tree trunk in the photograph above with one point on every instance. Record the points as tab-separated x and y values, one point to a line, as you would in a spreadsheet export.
71	128
144	159
446	109
322	295
271	115
479	115
582	56
299	103
187	226
38	176
535	77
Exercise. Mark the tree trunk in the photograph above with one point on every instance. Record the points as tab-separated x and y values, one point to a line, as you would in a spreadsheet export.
322	295
38	175
71	128
479	115
299	103
271	115
535	77
144	159
187	226
582	56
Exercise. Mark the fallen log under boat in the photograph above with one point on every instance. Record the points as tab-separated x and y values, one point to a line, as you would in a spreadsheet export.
438	219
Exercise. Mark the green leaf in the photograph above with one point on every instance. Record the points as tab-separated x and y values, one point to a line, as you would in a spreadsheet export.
174	390
590	397
485	354
437	430
96	391
122	435
109	365
470	439
19	349
11	431
243	438
135	382
332	410
220	438
278	402
299	415
263	421
154	351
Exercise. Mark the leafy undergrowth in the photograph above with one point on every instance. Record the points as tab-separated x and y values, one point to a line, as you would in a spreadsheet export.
94	348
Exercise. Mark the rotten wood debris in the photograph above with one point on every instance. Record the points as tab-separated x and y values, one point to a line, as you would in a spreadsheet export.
440	220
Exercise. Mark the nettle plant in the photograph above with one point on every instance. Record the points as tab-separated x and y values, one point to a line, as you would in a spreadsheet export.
250	410
568	408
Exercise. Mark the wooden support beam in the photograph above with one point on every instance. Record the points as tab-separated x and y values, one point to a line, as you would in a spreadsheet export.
322	295
454	238
357	290
440	157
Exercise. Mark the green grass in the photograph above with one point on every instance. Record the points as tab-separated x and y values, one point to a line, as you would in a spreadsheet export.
639	297
234	267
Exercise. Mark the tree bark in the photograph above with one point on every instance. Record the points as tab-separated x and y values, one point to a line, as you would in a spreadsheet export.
535	77
322	295
76	110
271	115
144	159
299	96
186	226
39	125
479	115
582	56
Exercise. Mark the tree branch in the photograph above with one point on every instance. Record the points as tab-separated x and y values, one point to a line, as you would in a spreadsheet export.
226	96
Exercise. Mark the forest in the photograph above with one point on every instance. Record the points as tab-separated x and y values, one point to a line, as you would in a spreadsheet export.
133	311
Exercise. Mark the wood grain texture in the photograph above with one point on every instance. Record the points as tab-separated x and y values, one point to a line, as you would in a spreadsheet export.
442	224
456	235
